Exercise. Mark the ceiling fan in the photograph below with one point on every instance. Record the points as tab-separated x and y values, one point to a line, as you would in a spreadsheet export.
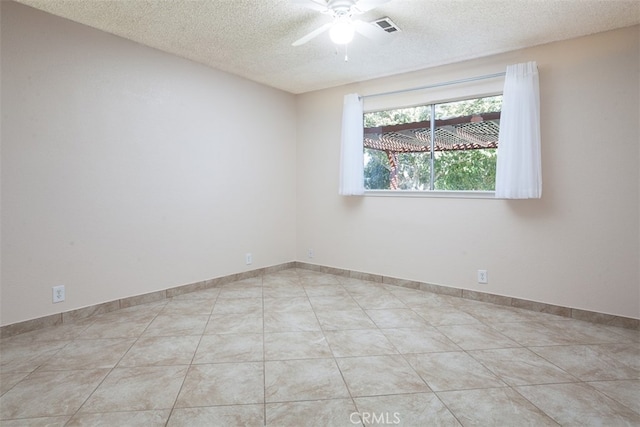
343	27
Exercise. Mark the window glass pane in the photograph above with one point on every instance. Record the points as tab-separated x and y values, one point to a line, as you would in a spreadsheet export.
396	117
466	141
472	170
398	146
393	157
469	107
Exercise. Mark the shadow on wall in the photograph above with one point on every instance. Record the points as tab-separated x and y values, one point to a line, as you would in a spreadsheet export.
352	202
531	208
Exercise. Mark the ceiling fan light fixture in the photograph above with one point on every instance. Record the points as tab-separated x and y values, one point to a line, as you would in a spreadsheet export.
342	32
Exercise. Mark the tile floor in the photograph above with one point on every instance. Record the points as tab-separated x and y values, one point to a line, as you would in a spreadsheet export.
301	348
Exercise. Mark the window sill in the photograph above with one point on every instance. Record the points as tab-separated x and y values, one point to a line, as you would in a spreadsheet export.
430	194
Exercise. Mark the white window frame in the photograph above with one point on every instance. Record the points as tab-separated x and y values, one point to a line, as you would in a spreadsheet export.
436	90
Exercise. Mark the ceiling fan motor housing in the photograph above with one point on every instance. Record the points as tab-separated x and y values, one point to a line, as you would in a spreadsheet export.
341	8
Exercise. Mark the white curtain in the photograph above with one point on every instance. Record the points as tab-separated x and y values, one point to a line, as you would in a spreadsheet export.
352	150
518	169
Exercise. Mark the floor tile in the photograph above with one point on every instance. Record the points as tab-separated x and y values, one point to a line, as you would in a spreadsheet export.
176	325
409	410
237	305
413	297
624	353
142	313
158	351
234	415
240	292
493	313
157	418
220	348
89	354
26	356
535	334
290	322
210	294
137	389
287	305
222	384
585	332
587	363
325	290
250	282
188	307
311	278
333	302
108	328
520	366
57	393
478	408
419	340
235	323
37	422
379	300
8	380
280	280
316	413
352	282
396	318
64	332
453	371
347	319
309	379
380	375
579	405
445	315
367	289
476	337
290	291
295	345
359	342
626	392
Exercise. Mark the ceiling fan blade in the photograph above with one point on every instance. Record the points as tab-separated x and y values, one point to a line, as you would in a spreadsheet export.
319	5
370	31
363	6
312	34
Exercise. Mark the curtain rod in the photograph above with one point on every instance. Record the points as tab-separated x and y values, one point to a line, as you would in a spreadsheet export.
452	82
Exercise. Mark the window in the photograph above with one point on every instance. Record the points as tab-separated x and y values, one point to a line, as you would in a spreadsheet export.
403	152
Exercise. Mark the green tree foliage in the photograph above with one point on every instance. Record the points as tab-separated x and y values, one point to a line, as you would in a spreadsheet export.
376	170
397	117
453	170
466	170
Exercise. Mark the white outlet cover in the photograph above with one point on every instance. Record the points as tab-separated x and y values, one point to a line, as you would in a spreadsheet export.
483	276
58	293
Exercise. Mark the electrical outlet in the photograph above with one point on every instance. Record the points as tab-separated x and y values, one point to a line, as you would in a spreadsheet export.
58	293
310	253
483	276
248	258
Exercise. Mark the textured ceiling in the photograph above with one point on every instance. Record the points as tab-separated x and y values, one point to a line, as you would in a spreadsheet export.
252	38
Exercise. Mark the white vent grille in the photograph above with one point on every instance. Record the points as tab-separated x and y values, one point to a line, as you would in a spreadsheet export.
387	25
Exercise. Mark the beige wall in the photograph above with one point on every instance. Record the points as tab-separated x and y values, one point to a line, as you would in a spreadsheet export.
126	170
578	246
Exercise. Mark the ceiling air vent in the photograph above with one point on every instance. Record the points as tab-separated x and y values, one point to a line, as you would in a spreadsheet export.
387	25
